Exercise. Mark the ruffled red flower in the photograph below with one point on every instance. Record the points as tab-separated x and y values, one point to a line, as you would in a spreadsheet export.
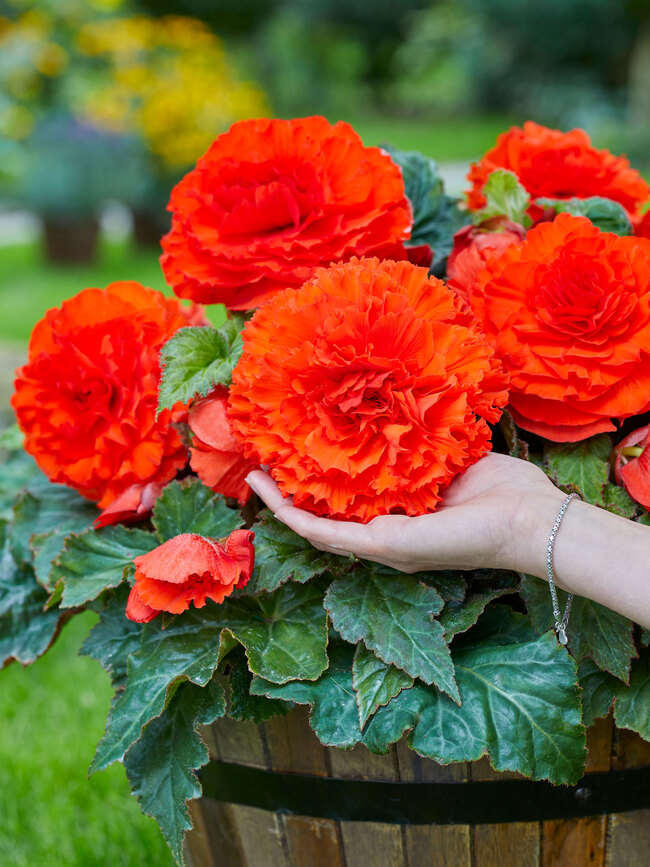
642	227
569	313
559	165
473	246
272	200
86	399
131	506
189	569
216	456
366	391
632	465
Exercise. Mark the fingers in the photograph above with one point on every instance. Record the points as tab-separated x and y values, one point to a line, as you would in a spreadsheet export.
337	537
267	490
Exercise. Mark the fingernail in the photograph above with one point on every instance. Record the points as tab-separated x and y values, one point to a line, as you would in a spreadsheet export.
251	484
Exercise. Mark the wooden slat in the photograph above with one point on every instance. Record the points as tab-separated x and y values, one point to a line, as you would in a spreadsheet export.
313	842
217	829
372	844
241	742
632	751
513	844
629	839
574	841
359	763
261	837
416	769
483	770
292	745
599	745
439	845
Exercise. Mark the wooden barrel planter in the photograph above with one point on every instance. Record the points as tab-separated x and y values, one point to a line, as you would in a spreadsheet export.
275	797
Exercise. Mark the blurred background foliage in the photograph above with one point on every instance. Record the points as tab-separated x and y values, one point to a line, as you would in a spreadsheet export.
104	104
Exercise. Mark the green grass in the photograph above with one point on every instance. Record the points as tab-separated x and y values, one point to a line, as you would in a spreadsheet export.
457	139
51	717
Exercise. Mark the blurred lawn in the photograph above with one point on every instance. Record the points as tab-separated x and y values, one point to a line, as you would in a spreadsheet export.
51	717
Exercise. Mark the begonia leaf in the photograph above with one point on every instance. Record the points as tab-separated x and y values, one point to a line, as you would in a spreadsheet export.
190	507
161	767
645	637
43	516
196	359
594	631
632	708
284	635
457	617
18	470
334	715
187	649
375	683
395	618
243	705
114	637
584	465
598	691
26	628
618	501
498	625
436	216
505	196
282	555
96	560
528	688
606	214
451	586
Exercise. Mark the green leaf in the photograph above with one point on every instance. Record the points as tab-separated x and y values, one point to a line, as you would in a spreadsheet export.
243	705
334	715
114	637
645	637
606	214
375	683
458	617
26	629
506	197
190	507
632	708
96	560
451	586
11	438
196	359
43	517
436	216
499	625
520	706
618	501
282	555
594	631
161	767
598	691
284	633
583	465
188	649
18	469
394	617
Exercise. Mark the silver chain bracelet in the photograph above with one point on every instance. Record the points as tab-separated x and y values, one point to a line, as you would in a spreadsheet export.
561	621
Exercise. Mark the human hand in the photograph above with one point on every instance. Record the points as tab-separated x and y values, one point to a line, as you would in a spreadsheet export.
489	517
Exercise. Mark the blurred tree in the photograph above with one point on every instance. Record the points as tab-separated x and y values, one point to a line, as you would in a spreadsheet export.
224	16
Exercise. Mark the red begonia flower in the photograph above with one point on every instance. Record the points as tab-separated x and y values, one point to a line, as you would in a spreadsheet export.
272	200
189	569
559	165
86	399
132	505
568	311
632	465
366	391
473	246
216	456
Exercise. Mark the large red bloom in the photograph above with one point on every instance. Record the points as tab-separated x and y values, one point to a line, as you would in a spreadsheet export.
86	399
632	465
189	569
273	199
473	246
216	456
569	313
366	391
559	165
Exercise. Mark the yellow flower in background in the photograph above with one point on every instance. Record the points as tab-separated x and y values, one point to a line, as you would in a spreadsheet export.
16	122
52	60
171	80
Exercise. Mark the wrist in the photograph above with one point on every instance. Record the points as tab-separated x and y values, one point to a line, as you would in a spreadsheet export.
532	520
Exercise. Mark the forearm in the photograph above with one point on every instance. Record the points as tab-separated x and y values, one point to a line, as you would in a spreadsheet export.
596	554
